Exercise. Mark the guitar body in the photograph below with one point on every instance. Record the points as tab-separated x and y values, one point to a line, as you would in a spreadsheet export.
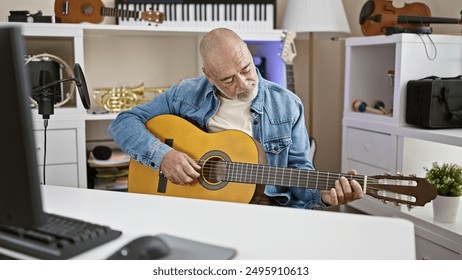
79	11
205	148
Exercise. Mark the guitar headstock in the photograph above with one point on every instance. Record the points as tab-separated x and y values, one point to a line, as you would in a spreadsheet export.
152	16
288	52
409	190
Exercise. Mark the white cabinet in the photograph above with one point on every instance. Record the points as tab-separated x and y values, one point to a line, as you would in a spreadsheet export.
119	56
61	156
375	144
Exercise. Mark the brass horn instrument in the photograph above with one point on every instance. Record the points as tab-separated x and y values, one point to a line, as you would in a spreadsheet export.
119	99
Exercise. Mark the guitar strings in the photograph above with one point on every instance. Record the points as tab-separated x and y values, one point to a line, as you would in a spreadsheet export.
323	181
254	173
323	178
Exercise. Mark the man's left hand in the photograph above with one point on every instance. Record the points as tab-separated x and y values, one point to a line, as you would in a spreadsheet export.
344	191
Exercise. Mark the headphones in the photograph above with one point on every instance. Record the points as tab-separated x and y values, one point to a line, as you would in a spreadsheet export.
389	30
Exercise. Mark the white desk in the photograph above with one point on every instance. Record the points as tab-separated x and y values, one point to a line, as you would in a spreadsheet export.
255	231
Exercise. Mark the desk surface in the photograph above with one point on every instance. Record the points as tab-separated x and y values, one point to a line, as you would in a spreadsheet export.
255	231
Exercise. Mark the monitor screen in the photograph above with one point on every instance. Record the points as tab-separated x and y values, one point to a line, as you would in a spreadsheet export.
20	196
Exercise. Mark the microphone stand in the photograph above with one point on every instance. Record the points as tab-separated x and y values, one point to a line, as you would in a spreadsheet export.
44	95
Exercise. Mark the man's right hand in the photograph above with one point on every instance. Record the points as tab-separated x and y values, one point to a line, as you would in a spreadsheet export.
179	168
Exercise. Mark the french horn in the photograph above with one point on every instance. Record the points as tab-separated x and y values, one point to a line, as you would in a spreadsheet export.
119	99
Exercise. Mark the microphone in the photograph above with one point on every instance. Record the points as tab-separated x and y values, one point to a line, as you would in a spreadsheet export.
45	97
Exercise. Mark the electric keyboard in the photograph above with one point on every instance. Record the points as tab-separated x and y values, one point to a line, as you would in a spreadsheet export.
255	14
59	238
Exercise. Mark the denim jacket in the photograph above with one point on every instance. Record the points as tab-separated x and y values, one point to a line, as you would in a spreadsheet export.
278	124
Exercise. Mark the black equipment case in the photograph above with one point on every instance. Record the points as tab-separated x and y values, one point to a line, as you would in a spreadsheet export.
434	102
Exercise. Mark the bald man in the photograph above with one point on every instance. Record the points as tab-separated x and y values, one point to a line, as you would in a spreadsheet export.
231	95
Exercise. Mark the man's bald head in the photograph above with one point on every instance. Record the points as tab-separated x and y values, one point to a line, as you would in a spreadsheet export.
217	42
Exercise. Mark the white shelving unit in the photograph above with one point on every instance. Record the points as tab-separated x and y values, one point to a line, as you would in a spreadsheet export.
375	144
111	56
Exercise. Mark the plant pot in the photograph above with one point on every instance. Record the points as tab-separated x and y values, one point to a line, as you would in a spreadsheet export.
445	208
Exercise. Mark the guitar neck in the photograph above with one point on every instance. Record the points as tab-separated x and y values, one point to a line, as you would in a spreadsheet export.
282	176
290	77
113	12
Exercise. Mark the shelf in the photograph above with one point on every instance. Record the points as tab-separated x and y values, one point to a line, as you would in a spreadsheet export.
444	136
402	38
410	56
371	122
72	30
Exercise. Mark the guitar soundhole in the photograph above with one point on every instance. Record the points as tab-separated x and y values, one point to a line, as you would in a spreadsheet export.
213	170
87	10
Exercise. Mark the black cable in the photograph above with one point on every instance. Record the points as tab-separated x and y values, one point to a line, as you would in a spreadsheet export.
45	125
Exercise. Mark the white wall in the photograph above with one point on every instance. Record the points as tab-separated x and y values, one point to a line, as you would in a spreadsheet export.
328	67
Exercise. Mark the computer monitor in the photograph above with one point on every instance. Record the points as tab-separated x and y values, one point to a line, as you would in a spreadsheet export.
20	195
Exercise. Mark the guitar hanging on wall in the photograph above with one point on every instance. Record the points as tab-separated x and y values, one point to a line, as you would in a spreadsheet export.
233	169
288	54
93	11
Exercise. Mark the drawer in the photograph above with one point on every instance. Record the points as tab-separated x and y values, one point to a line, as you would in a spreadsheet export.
60	175
370	147
427	250
61	146
365	169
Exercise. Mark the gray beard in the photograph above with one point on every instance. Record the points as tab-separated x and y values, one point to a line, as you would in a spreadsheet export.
241	97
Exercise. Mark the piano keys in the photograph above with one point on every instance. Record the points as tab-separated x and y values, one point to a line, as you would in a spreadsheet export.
247	15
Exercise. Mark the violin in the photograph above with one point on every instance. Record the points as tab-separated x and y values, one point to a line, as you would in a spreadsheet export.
377	15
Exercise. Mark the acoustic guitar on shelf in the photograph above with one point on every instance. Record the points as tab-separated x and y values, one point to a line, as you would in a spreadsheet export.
233	169
94	11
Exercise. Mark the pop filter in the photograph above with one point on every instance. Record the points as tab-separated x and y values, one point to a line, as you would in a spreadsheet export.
82	86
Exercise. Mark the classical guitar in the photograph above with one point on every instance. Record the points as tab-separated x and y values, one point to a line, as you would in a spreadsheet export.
94	11
233	169
288	54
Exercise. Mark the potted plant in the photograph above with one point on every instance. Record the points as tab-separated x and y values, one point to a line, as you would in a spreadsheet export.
447	179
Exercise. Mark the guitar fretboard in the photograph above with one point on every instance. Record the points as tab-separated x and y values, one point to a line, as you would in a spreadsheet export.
119	13
290	81
288	177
